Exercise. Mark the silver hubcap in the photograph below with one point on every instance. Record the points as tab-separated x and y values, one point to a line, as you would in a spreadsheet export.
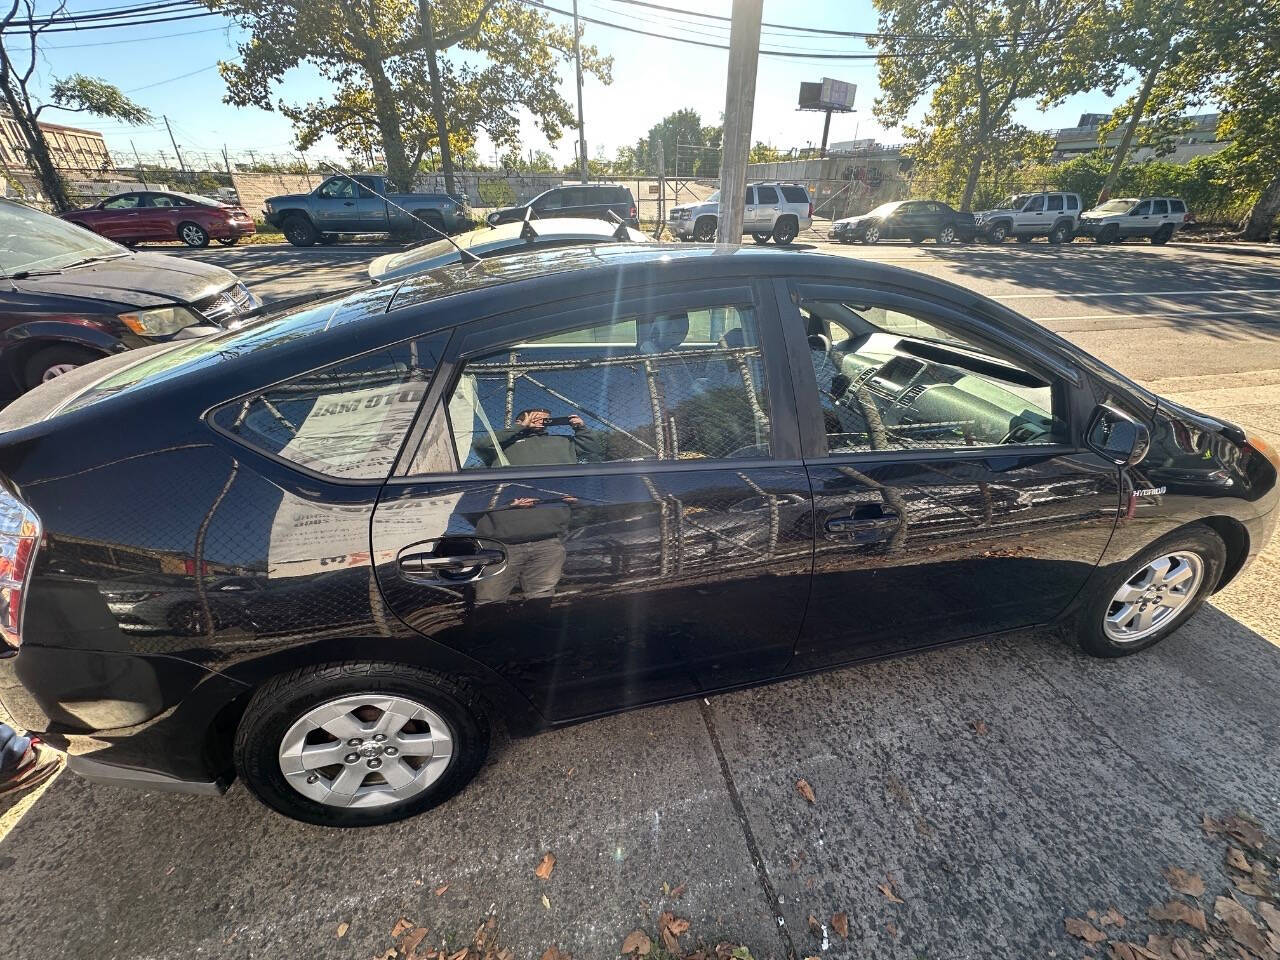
873	234
192	234
57	370
366	750
947	235
1153	597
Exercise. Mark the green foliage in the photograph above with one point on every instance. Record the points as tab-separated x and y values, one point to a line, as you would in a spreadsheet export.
78	93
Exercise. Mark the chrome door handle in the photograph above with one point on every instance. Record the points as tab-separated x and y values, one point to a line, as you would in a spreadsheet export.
867	529
425	562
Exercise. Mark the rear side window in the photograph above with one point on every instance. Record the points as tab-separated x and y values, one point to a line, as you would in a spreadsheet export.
767	195
1159	206
346	420
1055	202
1073	203
795	194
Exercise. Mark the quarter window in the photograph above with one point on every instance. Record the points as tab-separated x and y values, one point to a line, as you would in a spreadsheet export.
893	381
796	194
1177	206
346	420
678	386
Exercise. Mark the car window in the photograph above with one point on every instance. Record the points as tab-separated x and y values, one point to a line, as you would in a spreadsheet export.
1159	206
1035	206
551	200
367	187
127	201
766	195
1142	210
1177	206
346	420
338	188
899	382
1073	202
795	194
163	200
1055	202
749	196
678	386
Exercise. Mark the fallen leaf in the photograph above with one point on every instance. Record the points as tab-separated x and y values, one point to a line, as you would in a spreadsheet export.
1240	924
815	927
678	892
401	926
567	776
637	943
1237	860
671	929
1210	825
1084	930
888	891
840	924
1248	886
806	791
409	942
1184	881
1120	950
546	904
980	727
891	928
1179	911
1112	918
439	891
1159	947
1091	914
1183	950
545	866
169	870
343	927
1271	915
555	953
1244	831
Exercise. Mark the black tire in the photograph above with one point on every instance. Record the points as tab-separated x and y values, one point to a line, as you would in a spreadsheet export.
916	238
430	226
761	238
1162	236
1108	234
1061	233
946	234
997	232
785	230
871	233
278	704
704	230
1024	238
192	234
37	367
300	231
1197	539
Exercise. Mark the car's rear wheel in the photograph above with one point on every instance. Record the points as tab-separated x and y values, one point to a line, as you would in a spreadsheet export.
300	231
761	238
997	232
54	361
430	226
1162	236
947	233
1024	238
228	241
192	234
785	230
1060	233
359	744
704	231
1150	596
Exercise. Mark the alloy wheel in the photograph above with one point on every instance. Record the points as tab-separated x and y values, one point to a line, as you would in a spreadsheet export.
872	234
1153	597
947	234
57	370
366	750
193	236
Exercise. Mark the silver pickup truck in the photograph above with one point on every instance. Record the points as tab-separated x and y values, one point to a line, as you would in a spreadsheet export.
362	204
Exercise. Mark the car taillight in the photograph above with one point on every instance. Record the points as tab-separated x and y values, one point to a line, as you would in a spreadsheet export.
810	209
633	213
19	540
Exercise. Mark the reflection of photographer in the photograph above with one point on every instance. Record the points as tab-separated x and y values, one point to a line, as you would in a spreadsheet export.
529	444
532	530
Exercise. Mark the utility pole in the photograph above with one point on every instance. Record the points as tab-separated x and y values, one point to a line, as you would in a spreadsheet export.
253	161
181	166
437	94
226	159
577	65
739	103
662	189
137	156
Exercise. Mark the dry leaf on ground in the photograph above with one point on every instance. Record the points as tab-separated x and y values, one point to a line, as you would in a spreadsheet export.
980	727
678	892
1084	930
1245	885
638	943
1179	911
1237	860
671	928
891	929
1246	832
1271	915
401	926
840	924
1183	950
1210	825
343	927
1121	950
1184	881
409	942
439	891
545	902
545	866
1112	918
887	889
555	953
1241	925
806	791
815	927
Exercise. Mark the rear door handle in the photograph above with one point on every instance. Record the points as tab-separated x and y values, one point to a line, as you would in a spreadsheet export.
864	528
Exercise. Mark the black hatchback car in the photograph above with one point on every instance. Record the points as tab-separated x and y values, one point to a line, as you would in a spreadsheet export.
600	201
326	552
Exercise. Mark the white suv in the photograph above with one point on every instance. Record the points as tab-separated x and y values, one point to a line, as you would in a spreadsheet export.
1030	215
777	210
1154	217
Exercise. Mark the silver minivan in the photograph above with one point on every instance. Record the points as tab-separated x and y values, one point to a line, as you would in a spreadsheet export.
1156	218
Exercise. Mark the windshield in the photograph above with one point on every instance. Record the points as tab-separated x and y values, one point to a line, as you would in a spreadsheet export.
1014	202
1114	206
714	198
34	242
884	209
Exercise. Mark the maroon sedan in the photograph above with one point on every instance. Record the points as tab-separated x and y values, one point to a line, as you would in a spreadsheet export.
147	215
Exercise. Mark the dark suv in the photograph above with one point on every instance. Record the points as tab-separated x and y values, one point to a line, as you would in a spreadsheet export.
330	550
603	201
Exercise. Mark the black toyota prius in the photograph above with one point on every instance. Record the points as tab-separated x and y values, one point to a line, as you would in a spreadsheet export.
328	551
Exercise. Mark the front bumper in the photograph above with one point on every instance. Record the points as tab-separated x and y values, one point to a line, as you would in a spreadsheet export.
681	227
1089	228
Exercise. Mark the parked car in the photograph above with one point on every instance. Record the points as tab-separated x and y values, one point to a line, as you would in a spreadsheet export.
602	201
501	240
150	215
773	210
906	219
364	203
1156	218
1030	215
73	297
558	484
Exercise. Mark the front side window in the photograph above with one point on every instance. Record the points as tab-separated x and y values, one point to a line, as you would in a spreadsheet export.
339	188
1035	206
346	420
888	380
678	386
1143	209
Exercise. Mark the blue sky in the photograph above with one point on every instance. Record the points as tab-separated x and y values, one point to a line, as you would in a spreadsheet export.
174	76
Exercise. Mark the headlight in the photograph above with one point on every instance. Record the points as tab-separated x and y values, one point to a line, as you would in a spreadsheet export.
266	206
159	321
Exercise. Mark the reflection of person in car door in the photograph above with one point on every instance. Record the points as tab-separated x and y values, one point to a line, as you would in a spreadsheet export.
532	529
529	444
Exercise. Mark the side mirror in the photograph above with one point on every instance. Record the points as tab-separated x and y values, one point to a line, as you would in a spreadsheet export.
1116	436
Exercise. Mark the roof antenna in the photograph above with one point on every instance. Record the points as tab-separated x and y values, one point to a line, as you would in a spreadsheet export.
622	234
527	233
466	254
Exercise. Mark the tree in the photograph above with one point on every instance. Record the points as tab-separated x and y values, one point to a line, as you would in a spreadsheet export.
74	94
976	59
375	54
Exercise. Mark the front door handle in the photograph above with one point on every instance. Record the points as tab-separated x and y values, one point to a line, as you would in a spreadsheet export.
348	203
864	529
459	567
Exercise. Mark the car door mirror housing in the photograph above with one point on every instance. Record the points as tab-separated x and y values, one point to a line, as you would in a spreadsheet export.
1116	436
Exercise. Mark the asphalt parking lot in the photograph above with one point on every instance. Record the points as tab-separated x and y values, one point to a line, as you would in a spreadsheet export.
967	801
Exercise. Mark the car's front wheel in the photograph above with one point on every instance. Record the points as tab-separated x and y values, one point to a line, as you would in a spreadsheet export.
947	234
704	231
997	232
54	361
1108	234
193	235
359	744
871	234
300	231
1147	598
761	238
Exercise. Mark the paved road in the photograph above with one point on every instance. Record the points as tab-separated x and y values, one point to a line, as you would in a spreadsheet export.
995	788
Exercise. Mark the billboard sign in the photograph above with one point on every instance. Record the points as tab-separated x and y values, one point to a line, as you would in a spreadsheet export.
837	94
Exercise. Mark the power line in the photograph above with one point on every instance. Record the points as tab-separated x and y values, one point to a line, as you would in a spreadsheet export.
106	14
75	27
113	43
181	76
